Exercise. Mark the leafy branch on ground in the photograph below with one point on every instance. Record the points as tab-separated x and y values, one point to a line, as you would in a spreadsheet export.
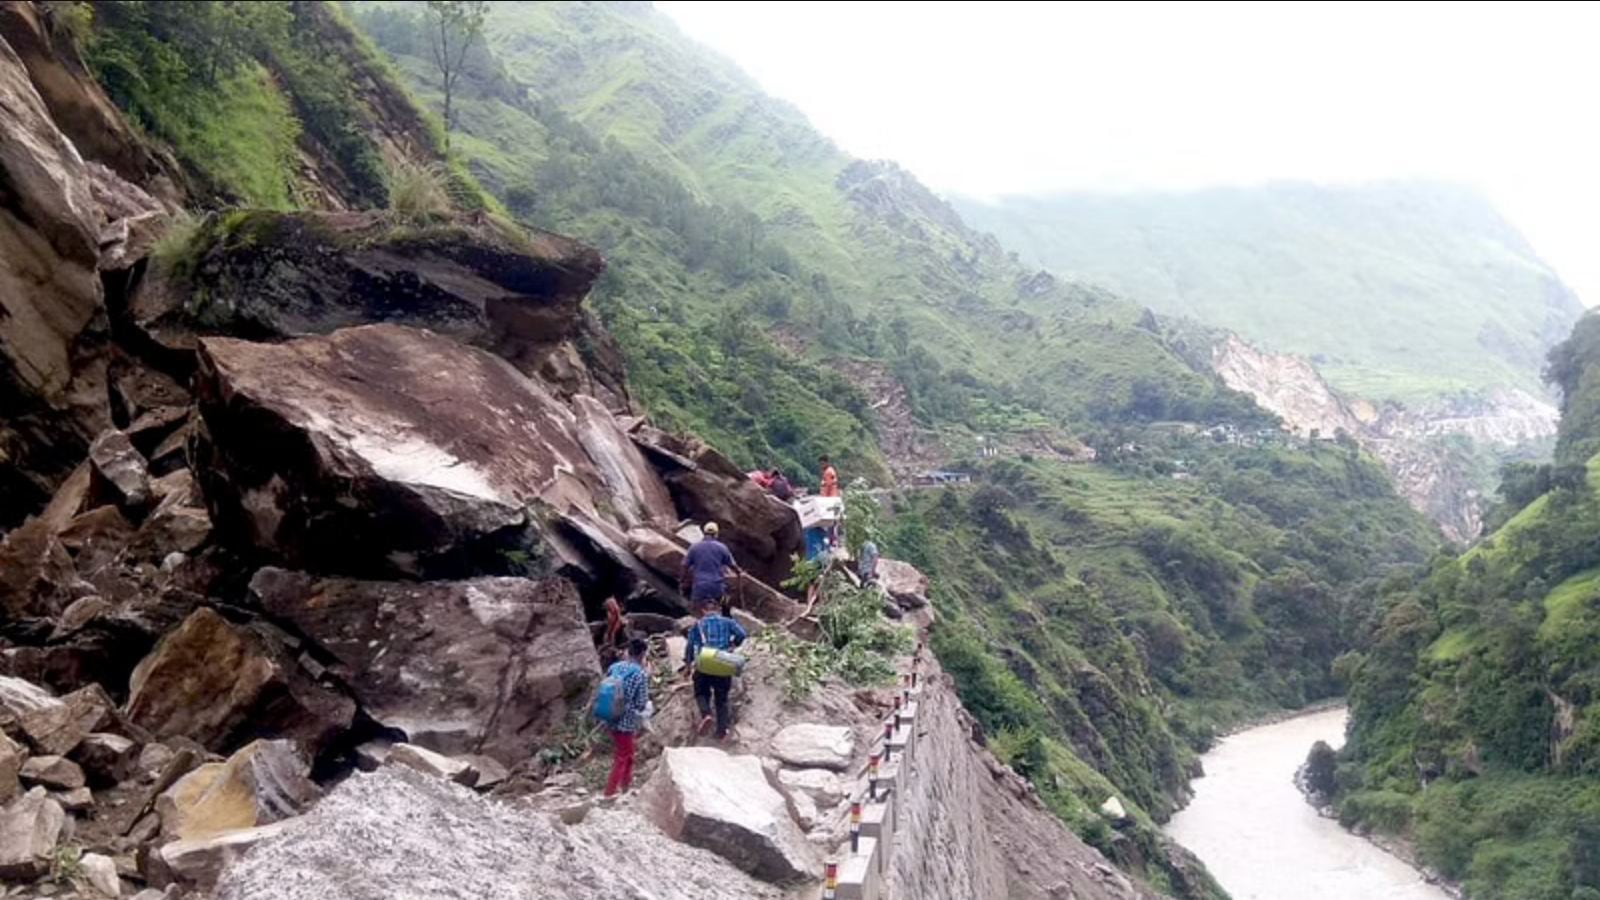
857	643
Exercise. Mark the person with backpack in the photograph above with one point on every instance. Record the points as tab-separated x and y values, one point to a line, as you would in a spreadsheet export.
620	705
709	655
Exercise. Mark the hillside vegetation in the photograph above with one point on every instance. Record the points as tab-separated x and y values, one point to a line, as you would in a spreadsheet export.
1398	290
1476	712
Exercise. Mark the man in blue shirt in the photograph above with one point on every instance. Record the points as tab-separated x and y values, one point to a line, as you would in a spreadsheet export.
711	691
706	567
635	700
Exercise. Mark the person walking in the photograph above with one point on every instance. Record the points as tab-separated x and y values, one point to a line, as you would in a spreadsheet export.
706	567
636	700
718	632
830	478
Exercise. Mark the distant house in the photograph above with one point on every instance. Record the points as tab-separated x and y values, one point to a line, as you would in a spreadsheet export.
943	476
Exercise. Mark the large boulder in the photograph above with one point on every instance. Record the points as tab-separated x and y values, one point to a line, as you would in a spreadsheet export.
30	827
37	575
459	667
515	293
706	798
904	584
197	864
54	772
812	746
222	684
52	725
50	300
762	531
637	494
263	782
382	450
107	759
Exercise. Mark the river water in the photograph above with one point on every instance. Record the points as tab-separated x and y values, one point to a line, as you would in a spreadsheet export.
1263	841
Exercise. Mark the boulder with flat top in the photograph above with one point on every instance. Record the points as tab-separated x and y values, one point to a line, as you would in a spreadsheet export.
812	746
707	798
349	454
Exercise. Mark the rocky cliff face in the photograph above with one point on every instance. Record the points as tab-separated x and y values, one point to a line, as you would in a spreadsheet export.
1436	477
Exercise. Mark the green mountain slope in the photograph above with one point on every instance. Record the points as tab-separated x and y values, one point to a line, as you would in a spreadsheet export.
1476	712
1400	290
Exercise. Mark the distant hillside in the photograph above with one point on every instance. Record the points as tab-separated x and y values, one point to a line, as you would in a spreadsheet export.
1475	715
1400	290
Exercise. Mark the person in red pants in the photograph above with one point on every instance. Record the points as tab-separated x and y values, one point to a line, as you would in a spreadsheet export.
636	699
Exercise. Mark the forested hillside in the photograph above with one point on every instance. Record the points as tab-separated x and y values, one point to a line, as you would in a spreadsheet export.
1103	620
1476	717
1399	290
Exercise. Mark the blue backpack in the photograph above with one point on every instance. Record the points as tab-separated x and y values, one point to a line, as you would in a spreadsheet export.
609	701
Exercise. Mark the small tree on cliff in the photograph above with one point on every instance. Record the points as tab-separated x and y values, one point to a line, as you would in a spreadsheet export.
453	25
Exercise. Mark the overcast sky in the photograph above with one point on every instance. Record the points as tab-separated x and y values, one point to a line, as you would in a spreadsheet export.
991	98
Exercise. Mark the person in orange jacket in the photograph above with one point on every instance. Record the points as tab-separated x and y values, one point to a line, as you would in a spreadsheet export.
830	478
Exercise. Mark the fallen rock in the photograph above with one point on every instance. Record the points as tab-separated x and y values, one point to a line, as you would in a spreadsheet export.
77	800
377	464
1114	810
821	785
661	552
704	797
37	577
637	494
436	764
50	300
120	471
458	667
57	728
763	532
810	746
107	759
312	273
903	583
11	756
97	540
153	759
29	829
198	863
399	834
219	684
491	771
56	772
264	782
81	612
101	872
372	754
178	524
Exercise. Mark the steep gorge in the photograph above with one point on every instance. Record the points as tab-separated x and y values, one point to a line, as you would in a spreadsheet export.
1442	455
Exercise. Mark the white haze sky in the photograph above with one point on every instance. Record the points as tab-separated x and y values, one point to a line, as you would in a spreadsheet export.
997	97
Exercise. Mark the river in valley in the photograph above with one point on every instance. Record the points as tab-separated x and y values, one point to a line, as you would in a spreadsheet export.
1263	841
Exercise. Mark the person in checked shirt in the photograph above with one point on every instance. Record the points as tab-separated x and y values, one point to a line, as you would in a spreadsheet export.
636	699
